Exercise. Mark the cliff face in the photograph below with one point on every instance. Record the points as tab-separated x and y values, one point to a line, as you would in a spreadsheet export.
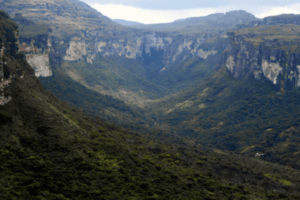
152	48
273	60
37	57
141	45
8	48
78	33
52	36
56	31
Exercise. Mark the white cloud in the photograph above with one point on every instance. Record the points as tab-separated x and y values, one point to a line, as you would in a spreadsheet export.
145	16
271	11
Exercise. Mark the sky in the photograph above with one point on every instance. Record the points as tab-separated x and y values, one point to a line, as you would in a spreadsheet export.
164	11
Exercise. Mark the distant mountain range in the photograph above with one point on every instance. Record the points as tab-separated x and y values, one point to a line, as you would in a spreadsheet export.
127	23
216	21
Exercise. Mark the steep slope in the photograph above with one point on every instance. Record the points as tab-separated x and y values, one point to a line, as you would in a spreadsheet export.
49	150
266	51
64	17
250	104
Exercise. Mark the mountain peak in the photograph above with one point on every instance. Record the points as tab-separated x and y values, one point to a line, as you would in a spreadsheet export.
241	14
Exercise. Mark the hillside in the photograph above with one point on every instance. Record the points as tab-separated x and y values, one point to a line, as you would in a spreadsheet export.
63	16
49	150
249	102
232	85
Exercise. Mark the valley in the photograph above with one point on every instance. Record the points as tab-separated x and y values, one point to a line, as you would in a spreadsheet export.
204	106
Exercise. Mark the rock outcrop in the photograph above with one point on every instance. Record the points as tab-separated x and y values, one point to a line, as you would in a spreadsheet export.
38	58
9	42
4	81
276	61
169	48
77	32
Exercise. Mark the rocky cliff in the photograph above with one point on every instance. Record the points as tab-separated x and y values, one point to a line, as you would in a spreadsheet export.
270	53
75	32
140	45
72	32
8	50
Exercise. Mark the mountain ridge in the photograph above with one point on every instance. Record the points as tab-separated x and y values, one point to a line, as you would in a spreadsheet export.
127	23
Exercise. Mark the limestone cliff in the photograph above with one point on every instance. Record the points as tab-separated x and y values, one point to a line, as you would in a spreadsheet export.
161	48
9	69
276	61
38	58
137	45
4	81
55	31
63	31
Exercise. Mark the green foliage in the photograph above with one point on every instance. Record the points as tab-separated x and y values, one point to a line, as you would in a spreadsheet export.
52	151
244	116
282	181
49	150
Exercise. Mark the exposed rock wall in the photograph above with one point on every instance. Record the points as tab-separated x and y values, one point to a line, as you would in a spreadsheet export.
172	48
37	57
40	63
273	61
4	81
137	44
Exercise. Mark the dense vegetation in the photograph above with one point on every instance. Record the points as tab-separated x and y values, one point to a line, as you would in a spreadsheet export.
245	116
49	150
197	99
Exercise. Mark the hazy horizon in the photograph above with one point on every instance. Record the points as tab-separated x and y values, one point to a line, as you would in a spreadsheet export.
149	12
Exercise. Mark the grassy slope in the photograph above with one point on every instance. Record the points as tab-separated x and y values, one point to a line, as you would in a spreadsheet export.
120	77
63	16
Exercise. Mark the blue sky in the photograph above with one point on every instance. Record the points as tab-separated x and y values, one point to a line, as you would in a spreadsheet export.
161	11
